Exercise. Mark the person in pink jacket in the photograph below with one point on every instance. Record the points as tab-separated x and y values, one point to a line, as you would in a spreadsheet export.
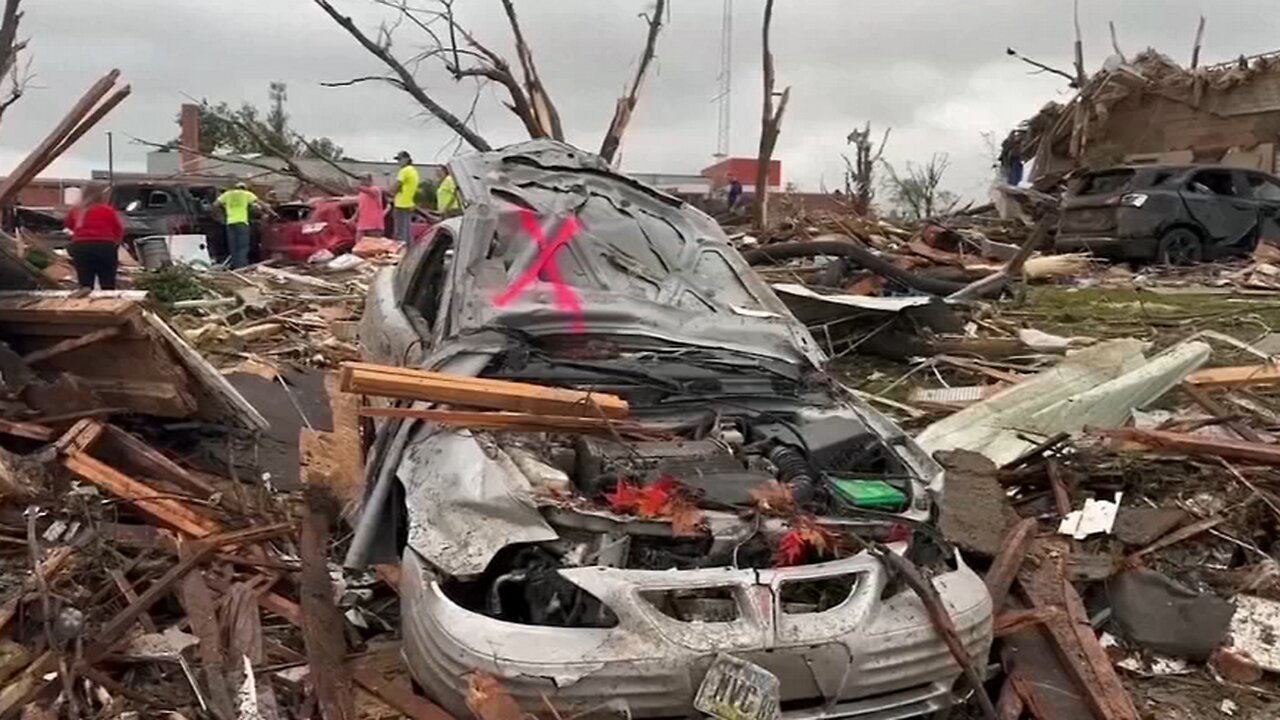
370	215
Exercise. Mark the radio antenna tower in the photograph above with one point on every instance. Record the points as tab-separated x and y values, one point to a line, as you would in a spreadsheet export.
724	94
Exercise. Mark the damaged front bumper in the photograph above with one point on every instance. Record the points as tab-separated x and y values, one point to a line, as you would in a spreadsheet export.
869	657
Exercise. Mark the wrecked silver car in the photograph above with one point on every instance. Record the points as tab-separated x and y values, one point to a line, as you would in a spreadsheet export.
622	570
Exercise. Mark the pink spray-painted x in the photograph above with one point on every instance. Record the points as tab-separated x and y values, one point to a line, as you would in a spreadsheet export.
544	267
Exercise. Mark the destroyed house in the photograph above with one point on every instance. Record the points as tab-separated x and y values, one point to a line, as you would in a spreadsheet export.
1151	110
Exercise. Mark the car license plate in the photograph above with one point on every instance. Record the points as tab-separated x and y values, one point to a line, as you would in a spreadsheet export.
735	689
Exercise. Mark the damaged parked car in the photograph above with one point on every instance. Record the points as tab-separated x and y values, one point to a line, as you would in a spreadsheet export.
711	560
1173	215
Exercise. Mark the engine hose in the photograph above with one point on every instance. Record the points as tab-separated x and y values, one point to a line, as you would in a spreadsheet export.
793	469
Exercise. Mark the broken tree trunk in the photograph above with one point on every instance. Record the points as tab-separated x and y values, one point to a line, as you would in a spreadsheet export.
770	126
627	105
543	112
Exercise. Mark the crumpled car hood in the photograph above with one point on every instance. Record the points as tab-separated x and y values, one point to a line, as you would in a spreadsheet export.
642	263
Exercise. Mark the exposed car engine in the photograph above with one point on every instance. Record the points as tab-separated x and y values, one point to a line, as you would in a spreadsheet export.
832	465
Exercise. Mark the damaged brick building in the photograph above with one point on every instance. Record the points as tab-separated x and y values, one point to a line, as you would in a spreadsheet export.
1152	110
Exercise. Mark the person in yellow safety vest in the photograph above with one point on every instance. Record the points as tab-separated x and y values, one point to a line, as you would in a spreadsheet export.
447	200
405	200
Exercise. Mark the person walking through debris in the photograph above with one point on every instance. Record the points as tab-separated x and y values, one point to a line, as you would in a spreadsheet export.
735	192
447	201
406	197
96	232
370	215
235	205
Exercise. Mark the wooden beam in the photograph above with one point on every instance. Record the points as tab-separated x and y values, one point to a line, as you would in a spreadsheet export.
153	463
31	431
202	614
322	624
67	311
170	512
510	421
1004	570
1187	444
1238	376
72	343
1077	646
1202	398
409	384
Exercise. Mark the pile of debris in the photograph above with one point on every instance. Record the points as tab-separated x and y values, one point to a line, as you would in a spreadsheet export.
1129	549
136	580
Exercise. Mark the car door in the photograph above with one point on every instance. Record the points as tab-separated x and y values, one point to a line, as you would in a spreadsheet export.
1217	199
1265	192
404	304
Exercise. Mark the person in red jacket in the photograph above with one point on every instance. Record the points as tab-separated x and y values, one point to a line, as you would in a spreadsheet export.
96	232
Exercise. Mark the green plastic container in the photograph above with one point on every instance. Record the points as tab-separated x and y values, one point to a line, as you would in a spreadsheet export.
868	494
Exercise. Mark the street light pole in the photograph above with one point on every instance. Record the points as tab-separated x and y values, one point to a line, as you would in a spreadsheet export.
111	160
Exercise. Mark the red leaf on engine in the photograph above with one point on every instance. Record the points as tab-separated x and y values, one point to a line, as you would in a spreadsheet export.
655	500
791	549
624	499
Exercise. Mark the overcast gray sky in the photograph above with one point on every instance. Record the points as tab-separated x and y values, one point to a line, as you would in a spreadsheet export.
934	70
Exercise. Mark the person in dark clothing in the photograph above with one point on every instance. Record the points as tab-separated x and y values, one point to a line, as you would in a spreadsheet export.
735	192
96	232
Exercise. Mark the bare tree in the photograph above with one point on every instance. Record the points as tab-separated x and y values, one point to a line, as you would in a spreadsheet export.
10	49
860	174
462	55
918	194
770	125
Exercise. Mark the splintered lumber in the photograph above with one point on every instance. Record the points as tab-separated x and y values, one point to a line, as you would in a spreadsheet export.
321	621
58	310
202	614
410	384
1077	646
508	421
1213	407
1005	568
31	431
170	512
1238	376
72	343
1185	443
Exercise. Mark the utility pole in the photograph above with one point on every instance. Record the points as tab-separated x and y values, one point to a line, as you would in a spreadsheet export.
111	160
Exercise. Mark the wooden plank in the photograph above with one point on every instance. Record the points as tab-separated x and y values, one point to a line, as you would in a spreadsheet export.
1188	444
80	437
1046	585
1177	536
1238	376
1214	408
410	384
511	421
154	463
72	343
170	512
322	624
1013	621
31	431
67	311
1004	570
1061	498
202	614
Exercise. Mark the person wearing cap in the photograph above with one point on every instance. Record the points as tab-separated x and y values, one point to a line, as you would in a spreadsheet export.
405	199
235	205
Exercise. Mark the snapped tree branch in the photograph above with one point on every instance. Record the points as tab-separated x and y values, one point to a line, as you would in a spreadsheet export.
627	104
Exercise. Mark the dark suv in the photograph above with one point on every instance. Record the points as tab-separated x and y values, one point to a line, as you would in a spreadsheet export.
1174	215
170	208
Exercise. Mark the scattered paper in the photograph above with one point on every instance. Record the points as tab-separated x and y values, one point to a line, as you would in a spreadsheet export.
1097	517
